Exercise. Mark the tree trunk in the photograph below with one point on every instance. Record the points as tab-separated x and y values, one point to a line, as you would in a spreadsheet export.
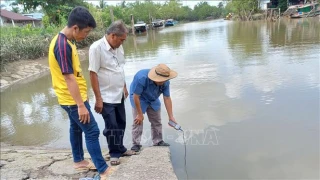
132	24
111	15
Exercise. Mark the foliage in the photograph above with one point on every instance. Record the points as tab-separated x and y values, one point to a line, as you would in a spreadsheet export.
30	43
54	9
244	9
28	47
173	9
18	43
97	15
57	11
15	10
102	4
45	21
283	5
203	10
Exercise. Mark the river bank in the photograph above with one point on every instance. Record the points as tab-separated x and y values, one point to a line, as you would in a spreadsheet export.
23	71
24	162
21	162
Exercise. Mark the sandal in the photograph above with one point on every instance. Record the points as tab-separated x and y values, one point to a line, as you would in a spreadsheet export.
114	161
107	157
129	153
100	177
90	166
136	148
162	143
104	177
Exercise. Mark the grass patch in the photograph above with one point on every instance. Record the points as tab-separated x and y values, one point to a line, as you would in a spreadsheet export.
25	43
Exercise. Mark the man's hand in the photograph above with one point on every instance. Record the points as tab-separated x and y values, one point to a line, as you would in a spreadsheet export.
98	106
173	119
84	116
125	92
138	120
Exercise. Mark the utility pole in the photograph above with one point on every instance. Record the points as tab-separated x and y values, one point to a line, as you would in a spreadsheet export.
132	24
111	14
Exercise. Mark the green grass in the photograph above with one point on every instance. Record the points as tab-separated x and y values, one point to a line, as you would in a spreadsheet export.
25	43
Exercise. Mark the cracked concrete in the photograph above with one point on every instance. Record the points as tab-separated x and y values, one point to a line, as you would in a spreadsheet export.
20	163
152	163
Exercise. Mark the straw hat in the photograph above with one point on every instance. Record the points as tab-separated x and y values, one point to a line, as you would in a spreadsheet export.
161	73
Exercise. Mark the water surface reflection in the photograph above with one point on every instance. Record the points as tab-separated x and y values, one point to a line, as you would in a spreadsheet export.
254	84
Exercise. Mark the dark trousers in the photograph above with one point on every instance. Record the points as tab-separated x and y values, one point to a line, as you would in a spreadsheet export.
114	116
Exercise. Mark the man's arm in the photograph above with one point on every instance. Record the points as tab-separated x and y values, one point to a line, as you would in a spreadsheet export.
125	90
73	88
139	118
167	101
94	66
96	89
137	89
168	104
136	99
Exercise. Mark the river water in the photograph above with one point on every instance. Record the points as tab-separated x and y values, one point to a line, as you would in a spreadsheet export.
247	97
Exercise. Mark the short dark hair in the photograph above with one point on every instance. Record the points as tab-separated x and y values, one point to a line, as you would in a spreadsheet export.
81	17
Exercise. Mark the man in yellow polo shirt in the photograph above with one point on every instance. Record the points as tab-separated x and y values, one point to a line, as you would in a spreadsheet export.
71	90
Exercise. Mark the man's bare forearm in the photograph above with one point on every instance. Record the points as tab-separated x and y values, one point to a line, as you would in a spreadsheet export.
136	99
95	85
73	88
168	105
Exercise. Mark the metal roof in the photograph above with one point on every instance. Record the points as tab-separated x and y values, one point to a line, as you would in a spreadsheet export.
15	16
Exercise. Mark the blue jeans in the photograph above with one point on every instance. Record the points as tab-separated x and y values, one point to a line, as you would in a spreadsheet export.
91	132
114	116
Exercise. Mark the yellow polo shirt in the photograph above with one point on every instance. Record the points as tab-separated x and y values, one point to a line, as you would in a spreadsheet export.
64	59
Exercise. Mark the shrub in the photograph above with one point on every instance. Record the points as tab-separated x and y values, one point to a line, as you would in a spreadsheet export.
29	47
93	36
31	43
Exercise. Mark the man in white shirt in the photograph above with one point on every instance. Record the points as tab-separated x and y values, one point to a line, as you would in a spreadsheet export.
106	62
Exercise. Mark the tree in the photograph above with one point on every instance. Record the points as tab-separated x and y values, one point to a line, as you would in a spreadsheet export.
14	4
171	9
102	4
283	5
56	10
15	9
244	9
123	4
221	9
188	13
203	10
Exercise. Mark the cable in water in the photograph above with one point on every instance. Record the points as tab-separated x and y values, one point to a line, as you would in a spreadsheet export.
178	127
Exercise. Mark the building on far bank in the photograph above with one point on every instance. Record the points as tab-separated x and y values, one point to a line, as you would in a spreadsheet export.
37	16
265	4
8	18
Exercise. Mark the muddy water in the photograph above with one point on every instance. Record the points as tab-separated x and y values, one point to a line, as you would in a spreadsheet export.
247	96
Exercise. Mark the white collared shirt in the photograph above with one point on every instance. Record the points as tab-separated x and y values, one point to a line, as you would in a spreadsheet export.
108	63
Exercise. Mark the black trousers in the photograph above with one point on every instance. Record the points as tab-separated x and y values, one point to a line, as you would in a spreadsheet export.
114	116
